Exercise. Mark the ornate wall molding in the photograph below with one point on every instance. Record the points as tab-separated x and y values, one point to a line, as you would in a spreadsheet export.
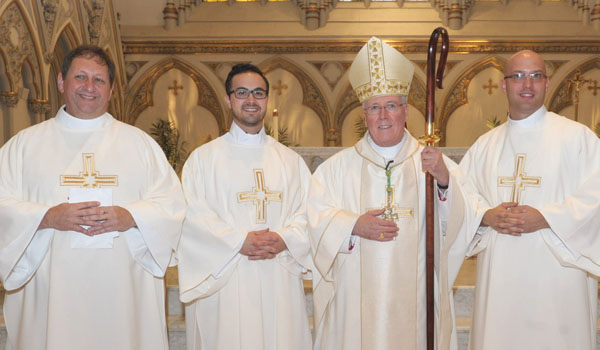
562	96
352	46
17	46
140	96
312	97
457	94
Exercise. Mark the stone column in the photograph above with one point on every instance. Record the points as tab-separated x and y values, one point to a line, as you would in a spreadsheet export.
170	15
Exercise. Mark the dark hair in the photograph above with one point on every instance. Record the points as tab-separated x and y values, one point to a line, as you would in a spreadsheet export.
243	68
89	51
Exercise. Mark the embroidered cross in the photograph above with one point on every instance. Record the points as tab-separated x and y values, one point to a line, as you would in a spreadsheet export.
89	178
260	195
519	179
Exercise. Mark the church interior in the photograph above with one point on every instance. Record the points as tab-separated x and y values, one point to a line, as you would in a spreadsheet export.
172	57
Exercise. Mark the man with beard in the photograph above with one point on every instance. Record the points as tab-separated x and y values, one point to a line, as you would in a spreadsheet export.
244	247
538	245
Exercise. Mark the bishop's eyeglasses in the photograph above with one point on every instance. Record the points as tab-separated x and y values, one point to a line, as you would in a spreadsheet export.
520	76
243	93
391	108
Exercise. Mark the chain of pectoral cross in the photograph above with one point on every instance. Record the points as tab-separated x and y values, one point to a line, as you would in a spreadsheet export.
389	214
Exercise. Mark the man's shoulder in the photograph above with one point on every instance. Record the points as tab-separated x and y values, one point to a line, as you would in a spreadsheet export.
337	162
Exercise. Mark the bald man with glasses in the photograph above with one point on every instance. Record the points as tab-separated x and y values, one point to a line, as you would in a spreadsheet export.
244	248
538	245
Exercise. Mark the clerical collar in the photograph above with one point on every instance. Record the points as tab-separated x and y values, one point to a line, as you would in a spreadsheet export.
529	122
240	137
387	153
71	122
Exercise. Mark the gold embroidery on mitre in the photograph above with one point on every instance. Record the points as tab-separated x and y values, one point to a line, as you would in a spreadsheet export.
381	78
261	196
519	179
89	178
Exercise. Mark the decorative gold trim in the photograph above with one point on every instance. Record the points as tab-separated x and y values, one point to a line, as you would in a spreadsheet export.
89	178
519	180
351	46
260	195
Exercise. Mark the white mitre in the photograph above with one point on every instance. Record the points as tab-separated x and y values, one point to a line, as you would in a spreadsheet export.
380	70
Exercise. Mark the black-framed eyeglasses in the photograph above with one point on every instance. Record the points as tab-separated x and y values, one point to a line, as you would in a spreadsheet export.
520	76
390	107
243	93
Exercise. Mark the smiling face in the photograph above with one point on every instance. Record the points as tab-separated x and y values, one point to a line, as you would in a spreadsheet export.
248	113
386	129
525	96
86	88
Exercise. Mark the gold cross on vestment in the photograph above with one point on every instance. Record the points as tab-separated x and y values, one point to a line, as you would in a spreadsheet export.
392	212
260	195
89	178
519	179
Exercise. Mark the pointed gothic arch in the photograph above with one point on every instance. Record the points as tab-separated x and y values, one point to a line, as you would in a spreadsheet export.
141	94
312	96
561	97
15	22
457	94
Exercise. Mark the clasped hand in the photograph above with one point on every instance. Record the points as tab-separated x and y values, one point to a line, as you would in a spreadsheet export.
73	216
513	219
262	244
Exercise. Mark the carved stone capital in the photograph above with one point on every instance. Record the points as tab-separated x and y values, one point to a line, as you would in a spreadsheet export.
9	98
39	106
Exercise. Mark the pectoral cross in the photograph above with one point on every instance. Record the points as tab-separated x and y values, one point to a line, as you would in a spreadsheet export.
89	178
391	212
260	195
519	180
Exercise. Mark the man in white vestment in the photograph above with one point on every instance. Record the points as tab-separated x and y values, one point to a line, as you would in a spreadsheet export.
244	247
366	214
90	214
538	246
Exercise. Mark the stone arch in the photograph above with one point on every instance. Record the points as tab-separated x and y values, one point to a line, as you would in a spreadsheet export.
29	80
65	42
457	94
348	102
561	97
312	96
140	96
116	102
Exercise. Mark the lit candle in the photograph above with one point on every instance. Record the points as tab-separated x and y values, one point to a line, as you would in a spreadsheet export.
275	128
